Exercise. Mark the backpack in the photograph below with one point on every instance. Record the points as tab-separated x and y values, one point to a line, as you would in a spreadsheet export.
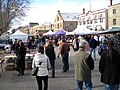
101	49
90	62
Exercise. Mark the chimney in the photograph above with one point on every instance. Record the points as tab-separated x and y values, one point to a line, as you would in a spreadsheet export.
110	2
83	10
58	11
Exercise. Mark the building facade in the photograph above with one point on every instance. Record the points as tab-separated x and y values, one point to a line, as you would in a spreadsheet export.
66	21
42	28
114	15
94	20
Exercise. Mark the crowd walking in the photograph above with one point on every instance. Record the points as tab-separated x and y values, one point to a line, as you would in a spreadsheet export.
84	57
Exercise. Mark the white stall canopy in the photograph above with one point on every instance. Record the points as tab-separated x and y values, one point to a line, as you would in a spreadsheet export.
49	33
82	30
19	36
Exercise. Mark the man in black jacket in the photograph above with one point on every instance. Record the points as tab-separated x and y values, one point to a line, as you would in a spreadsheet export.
109	67
49	50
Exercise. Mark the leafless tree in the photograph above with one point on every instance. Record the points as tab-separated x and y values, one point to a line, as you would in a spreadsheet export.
10	11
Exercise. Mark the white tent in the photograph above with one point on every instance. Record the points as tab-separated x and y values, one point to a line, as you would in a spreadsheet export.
19	36
82	30
70	33
50	32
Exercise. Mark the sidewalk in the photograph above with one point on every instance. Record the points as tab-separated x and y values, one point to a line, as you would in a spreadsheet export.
63	81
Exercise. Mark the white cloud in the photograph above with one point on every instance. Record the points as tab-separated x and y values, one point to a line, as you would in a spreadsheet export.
47	13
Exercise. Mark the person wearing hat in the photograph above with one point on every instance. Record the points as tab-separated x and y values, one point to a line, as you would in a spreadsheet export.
41	61
82	68
109	67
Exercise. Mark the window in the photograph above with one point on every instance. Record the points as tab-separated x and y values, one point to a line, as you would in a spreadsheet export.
83	22
114	21
95	16
95	20
57	26
101	20
88	21
80	23
114	11
57	18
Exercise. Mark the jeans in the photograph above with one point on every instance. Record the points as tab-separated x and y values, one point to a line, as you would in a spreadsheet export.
52	62
94	52
88	85
112	87
65	62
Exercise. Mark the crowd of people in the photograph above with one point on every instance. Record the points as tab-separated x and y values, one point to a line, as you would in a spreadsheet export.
84	47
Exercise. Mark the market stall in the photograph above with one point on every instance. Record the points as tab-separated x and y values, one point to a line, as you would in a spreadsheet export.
19	35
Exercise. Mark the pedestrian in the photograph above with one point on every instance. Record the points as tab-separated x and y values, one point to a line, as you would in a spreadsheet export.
75	44
65	54
20	62
59	47
50	52
109	67
83	68
42	61
93	45
46	43
102	47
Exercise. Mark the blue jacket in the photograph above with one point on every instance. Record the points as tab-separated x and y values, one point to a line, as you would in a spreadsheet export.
92	43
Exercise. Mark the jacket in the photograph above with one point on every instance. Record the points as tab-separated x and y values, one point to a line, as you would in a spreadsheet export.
49	50
65	49
93	43
110	69
82	70
45	64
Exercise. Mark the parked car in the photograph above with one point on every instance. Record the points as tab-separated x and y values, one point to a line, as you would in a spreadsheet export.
3	41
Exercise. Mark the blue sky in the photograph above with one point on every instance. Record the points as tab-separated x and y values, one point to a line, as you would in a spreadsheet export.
45	2
45	10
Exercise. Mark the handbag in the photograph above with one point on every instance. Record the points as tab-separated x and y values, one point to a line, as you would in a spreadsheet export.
34	71
90	62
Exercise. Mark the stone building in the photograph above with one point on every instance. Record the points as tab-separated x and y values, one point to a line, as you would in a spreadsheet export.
114	15
42	28
66	21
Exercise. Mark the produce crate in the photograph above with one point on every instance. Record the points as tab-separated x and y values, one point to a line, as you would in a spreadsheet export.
9	67
29	65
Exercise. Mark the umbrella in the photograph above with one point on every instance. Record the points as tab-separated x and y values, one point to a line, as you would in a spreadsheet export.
112	30
60	32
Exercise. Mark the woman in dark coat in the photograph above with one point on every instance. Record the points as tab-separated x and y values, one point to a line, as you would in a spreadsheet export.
20	53
49	50
109	67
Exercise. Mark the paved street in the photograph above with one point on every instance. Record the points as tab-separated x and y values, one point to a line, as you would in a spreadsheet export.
63	81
